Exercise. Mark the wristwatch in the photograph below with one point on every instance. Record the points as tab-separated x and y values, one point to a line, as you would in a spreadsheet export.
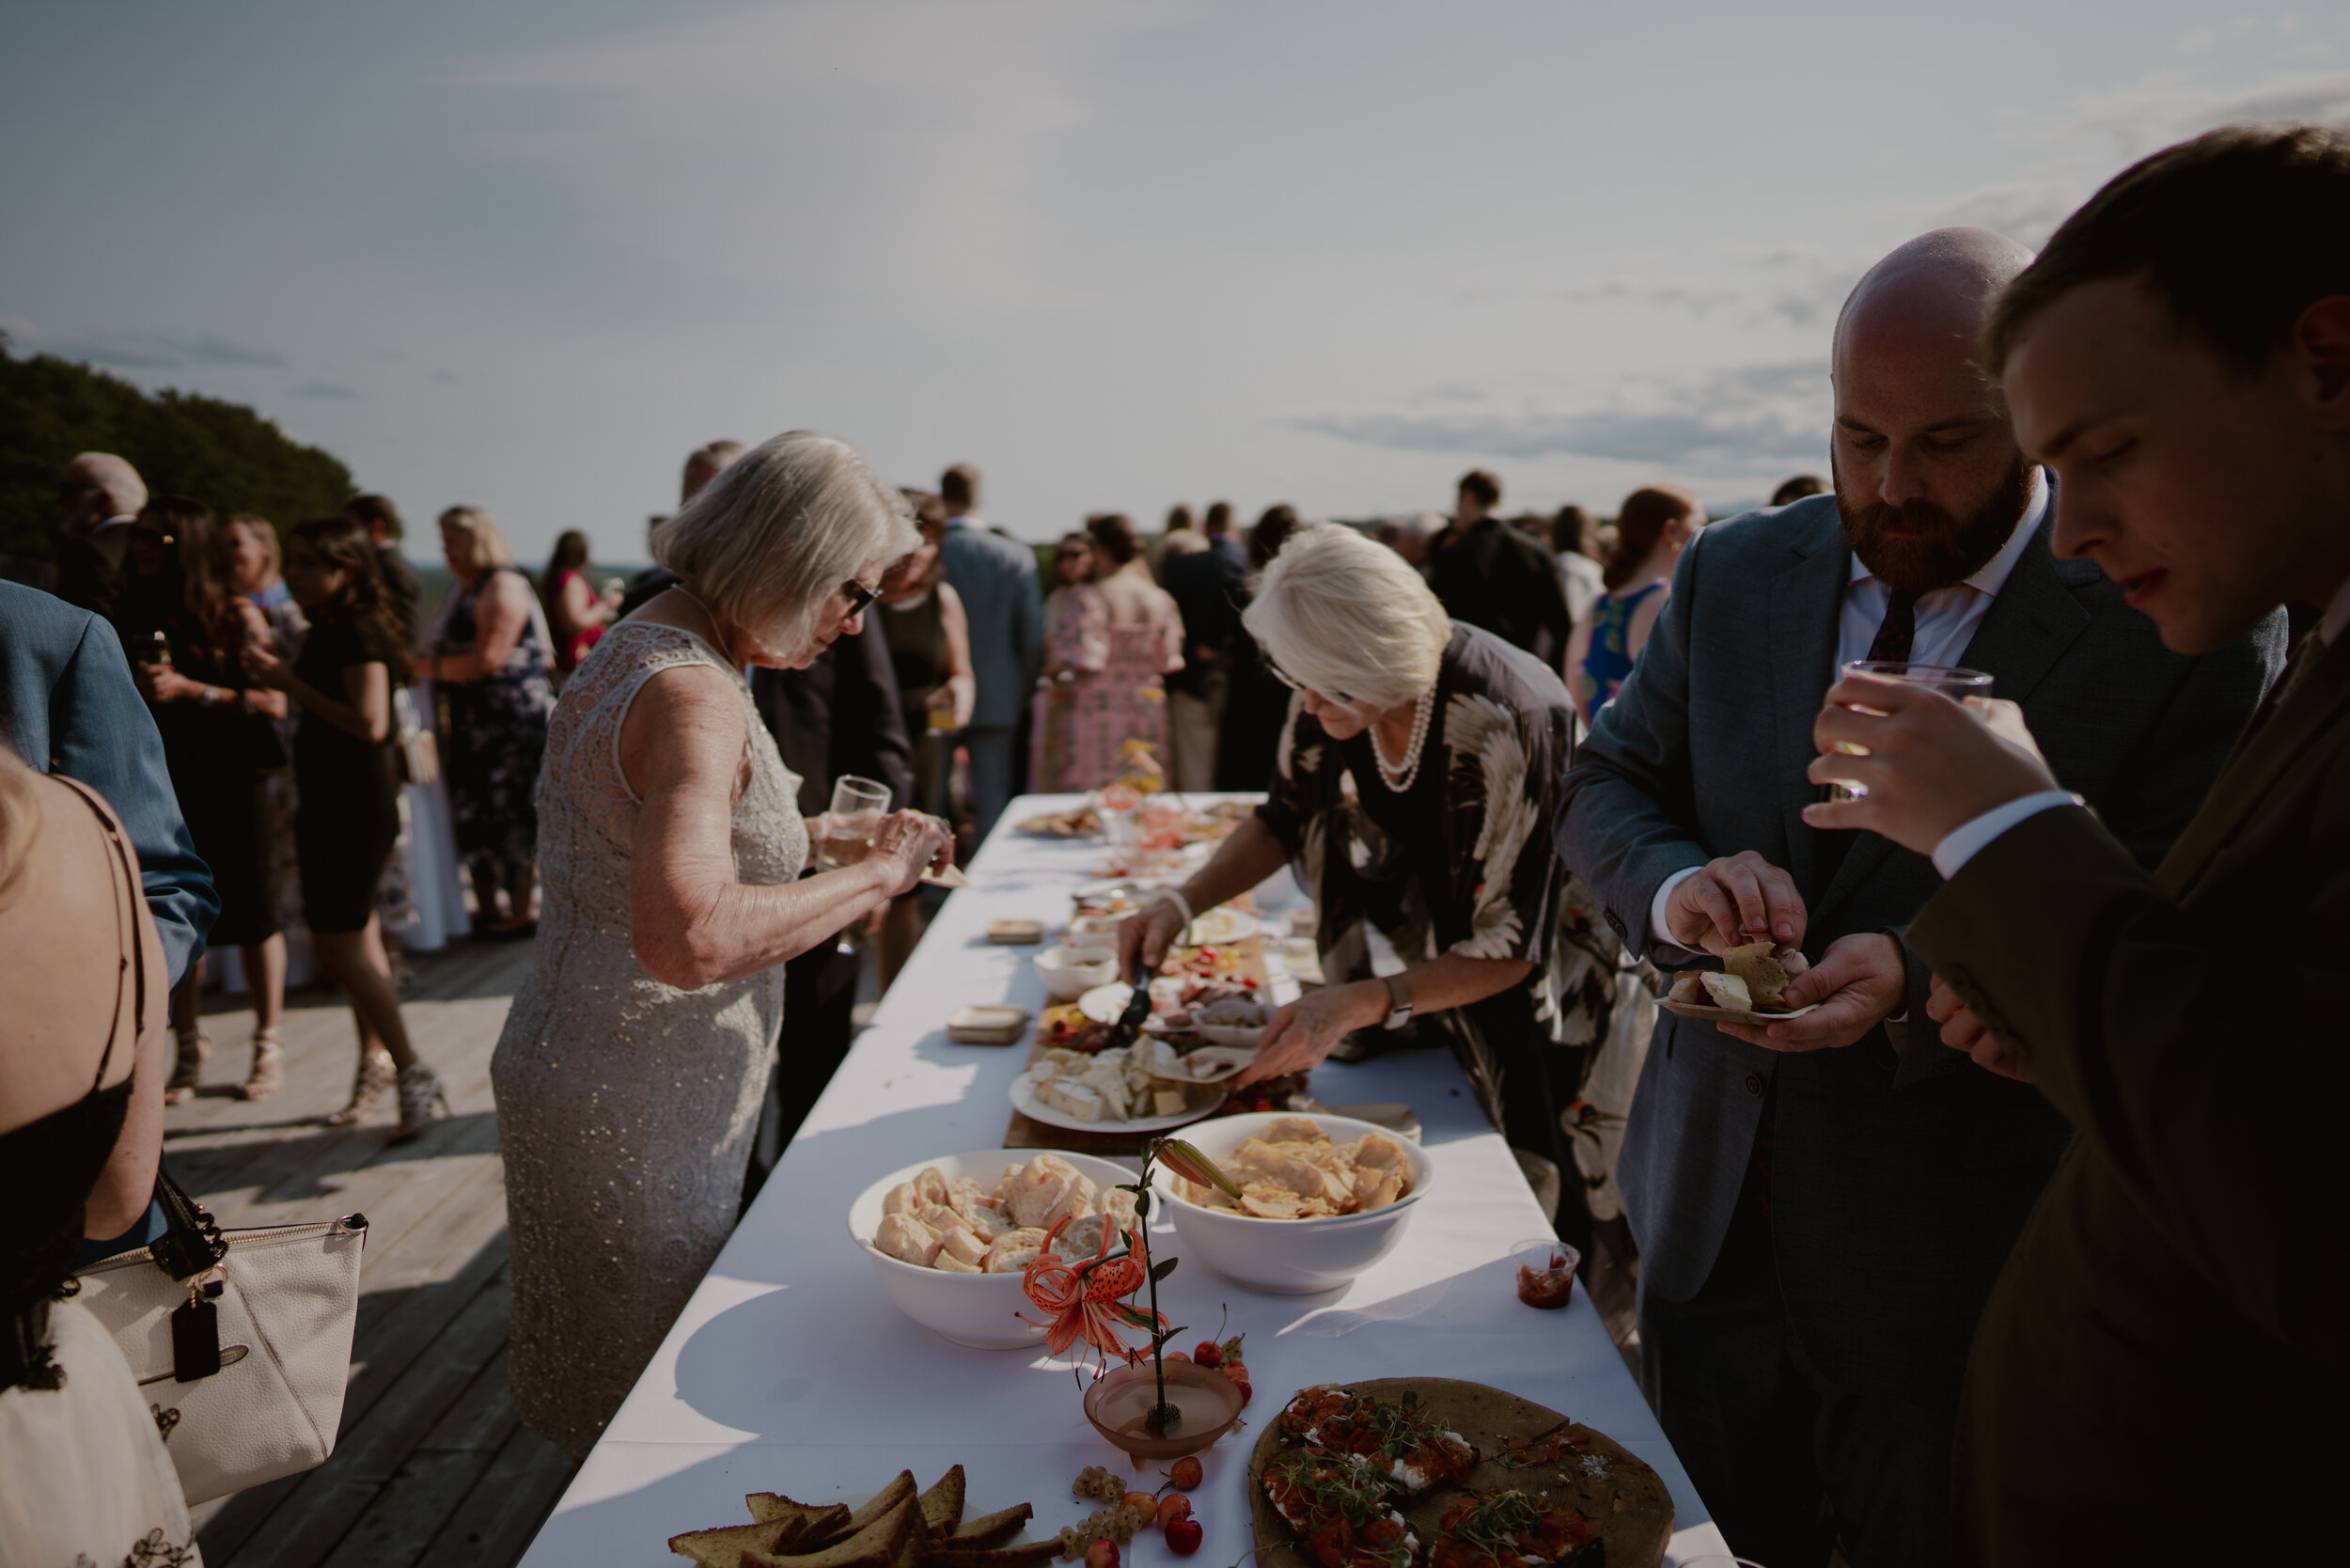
1399	1002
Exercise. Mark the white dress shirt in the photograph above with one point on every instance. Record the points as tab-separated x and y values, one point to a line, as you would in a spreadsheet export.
1947	618
1965	841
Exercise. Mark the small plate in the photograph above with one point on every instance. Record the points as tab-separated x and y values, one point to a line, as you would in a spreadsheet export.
1221	925
1731	1016
1165	1063
1106	1004
1015	933
1023	1100
987	1026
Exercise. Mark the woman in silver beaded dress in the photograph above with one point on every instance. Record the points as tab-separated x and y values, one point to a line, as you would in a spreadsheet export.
631	1069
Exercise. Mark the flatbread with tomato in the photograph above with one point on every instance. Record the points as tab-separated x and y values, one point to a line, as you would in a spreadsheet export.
1518	1447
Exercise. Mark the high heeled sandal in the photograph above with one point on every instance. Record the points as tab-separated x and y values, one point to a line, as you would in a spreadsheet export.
268	1073
187	1070
420	1090
374	1079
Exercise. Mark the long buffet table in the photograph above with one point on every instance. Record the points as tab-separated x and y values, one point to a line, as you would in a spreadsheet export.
791	1371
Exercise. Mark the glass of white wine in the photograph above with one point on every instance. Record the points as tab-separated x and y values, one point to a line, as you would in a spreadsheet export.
857	808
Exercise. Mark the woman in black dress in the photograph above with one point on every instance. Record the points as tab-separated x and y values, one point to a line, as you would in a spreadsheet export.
185	628
1413	782
492	659
348	782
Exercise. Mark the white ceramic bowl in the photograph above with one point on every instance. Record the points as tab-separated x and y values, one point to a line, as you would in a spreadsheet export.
1290	1257
975	1310
1068	973
1093	931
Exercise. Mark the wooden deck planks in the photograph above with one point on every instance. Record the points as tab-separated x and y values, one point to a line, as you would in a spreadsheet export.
432	1466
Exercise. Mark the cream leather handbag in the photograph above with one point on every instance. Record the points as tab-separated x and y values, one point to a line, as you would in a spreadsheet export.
241	1339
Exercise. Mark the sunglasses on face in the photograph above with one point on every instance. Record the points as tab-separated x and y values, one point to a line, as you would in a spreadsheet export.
859	596
1293	684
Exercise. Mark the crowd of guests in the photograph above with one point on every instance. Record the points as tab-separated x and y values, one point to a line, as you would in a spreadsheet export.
2024	1212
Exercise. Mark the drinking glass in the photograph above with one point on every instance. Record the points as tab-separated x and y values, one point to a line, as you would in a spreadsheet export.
1951	681
857	808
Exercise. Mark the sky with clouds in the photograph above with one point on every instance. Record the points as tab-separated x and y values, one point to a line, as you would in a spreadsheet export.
1119	253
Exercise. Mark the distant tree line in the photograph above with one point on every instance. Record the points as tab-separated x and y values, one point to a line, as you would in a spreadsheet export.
222	453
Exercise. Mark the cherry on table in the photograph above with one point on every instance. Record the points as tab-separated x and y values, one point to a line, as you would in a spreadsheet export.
1209	1354
1172	1507
1186	1473
1102	1554
1183	1536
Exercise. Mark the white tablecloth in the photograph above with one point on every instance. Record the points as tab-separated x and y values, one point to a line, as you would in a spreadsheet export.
791	1371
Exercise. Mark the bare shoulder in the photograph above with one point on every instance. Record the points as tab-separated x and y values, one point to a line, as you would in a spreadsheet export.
686	722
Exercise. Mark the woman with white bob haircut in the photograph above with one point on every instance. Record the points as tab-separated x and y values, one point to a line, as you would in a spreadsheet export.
630	1074
1411	794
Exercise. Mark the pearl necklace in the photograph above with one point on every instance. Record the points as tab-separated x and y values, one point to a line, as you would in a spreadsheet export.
1398	777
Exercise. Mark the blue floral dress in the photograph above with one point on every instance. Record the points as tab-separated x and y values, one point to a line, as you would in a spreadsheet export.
498	733
1608	660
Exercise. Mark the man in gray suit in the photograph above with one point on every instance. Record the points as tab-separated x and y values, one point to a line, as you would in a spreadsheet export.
996	580
1822	1205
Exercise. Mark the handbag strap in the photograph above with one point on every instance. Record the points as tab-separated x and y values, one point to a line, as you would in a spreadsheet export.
191	1242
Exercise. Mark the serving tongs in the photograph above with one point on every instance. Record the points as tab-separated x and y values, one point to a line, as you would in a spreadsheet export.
1129	1025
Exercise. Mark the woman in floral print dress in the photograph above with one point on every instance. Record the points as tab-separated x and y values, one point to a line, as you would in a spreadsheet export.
1412	796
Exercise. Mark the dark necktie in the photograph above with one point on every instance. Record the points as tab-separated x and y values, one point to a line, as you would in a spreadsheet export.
1899	633
1894	640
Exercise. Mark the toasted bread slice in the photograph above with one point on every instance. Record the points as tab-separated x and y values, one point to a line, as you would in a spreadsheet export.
910	1554
1767	976
731	1546
876	1545
942	1505
900	1490
1032	1554
824	1520
989	1530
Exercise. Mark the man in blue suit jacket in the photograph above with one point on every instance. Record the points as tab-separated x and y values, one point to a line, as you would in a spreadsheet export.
1822	1207
67	706
996	580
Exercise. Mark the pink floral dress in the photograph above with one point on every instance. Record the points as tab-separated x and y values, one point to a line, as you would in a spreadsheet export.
1113	693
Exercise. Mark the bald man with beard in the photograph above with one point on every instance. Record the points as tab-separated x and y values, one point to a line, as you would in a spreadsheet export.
1822	1205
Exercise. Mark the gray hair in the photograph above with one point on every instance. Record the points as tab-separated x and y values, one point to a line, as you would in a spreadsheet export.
113	478
1347	616
771	539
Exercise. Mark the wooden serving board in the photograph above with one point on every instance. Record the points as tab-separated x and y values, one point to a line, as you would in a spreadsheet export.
1630	1510
1112	1141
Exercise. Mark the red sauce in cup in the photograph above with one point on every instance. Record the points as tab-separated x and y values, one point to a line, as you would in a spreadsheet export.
1546	1288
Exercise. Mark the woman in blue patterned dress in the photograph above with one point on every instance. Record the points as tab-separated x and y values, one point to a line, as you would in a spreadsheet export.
1652	527
490	657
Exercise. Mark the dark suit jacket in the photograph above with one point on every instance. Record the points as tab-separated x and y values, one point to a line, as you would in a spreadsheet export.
2161	1373
1900	1171
67	705
840	715
91	569
1209	586
1495	578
